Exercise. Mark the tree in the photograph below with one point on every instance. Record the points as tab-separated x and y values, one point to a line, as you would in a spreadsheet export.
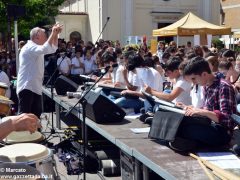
38	13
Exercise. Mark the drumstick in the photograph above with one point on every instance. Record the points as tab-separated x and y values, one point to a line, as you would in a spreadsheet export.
219	176
222	172
210	176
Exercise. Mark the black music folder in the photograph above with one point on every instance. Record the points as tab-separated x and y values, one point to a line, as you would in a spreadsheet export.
165	125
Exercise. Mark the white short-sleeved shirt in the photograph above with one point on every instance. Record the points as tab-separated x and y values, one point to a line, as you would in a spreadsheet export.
134	80
89	65
4	78
197	96
76	61
31	66
184	97
65	64
119	75
151	77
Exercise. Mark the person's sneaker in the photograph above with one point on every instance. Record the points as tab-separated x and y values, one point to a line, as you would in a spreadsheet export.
181	144
148	120
146	115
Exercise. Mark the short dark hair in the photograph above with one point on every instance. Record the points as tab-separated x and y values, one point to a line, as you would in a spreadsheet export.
173	63
134	61
197	66
108	57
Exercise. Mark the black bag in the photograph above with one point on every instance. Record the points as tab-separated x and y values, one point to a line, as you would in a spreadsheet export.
165	124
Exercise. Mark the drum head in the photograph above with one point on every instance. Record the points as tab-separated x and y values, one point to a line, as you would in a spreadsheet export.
23	137
24	152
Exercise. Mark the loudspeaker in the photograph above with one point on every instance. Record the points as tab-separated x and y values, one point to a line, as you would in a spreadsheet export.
101	109
63	84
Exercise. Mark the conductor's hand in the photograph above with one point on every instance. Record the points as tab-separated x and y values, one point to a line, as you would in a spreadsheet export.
25	122
57	28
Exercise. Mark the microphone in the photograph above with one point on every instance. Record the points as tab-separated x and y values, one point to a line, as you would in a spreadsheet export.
108	18
105	69
77	95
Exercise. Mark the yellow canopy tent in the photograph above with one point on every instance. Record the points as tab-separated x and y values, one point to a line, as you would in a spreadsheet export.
191	25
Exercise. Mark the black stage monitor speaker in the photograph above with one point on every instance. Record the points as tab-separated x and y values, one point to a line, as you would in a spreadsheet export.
102	110
63	84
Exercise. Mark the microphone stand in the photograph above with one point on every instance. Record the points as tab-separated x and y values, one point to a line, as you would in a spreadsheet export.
51	87
108	18
83	102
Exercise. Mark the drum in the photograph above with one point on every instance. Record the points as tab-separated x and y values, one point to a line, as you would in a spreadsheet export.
34	155
3	88
24	137
5	105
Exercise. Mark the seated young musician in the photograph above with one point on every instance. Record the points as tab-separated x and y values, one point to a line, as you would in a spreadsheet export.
219	105
181	88
138	75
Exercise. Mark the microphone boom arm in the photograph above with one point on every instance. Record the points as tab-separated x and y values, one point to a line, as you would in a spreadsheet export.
108	18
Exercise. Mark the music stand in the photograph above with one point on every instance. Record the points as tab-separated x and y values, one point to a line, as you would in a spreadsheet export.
50	81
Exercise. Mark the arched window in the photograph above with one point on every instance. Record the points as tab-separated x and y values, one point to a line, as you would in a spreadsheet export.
75	37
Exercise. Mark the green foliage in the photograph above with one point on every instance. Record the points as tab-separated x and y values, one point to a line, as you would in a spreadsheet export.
134	47
237	49
218	42
38	13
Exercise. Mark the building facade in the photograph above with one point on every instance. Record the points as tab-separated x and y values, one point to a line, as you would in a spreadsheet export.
230	16
124	18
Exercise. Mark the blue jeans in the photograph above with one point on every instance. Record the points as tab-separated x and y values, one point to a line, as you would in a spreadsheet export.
211	135
136	104
149	108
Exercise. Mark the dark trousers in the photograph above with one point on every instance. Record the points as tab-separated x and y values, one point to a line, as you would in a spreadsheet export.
29	102
211	135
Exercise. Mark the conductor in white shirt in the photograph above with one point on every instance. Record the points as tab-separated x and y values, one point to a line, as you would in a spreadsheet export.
31	69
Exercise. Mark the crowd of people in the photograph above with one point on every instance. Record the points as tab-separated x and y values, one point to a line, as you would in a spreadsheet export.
203	81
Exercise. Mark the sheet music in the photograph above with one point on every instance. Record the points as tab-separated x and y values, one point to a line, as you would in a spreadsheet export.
140	130
225	160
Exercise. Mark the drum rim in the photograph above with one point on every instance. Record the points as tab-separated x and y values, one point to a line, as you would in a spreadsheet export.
11	141
3	85
42	155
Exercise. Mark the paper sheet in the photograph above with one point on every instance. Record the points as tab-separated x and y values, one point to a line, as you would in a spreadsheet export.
132	116
225	160
140	130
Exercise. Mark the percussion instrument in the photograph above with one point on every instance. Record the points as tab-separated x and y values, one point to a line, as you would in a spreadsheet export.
195	119
34	155
5	105
111	87
24	137
171	107
153	100
3	88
